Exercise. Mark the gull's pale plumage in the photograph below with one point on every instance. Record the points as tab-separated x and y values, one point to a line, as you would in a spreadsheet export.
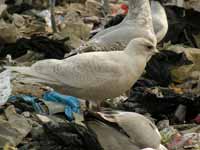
132	130
160	23
159	18
137	23
95	76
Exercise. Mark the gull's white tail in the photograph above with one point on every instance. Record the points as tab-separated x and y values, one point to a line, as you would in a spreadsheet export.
30	76
22	70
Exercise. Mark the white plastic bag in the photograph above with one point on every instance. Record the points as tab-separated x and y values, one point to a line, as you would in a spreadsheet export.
5	86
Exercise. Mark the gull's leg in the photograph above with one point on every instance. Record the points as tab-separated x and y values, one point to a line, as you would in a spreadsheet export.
128	93
87	103
97	107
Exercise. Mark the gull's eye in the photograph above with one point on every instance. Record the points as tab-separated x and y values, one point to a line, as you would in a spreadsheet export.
150	47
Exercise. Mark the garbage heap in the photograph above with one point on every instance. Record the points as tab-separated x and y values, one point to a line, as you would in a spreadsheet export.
168	92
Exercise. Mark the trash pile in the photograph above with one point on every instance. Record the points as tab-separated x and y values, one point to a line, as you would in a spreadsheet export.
34	116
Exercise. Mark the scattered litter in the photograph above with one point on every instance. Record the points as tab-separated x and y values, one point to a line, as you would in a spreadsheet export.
9	33
14	129
5	86
72	103
28	99
40	44
168	91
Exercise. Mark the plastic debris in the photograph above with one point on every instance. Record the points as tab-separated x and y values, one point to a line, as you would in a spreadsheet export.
175	139
40	44
29	99
70	135
47	16
9	33
72	103
14	129
180	113
5	87
54	108
168	133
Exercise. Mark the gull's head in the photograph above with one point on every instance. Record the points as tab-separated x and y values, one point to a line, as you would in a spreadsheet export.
142	46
